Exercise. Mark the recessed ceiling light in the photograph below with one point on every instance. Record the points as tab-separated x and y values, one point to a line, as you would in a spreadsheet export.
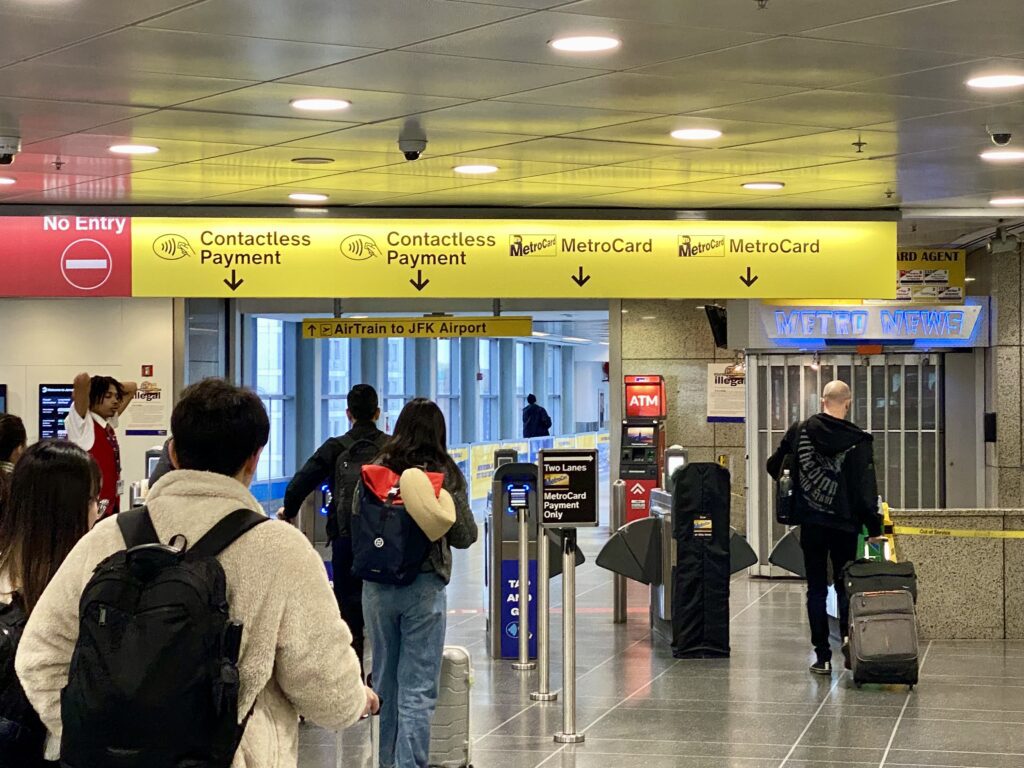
313	160
696	134
541	334
997	81
1007	201
970	279
4	180
649	317
320	105
766	185
359	317
307	197
1002	155
585	43
134	149
475	170
312	210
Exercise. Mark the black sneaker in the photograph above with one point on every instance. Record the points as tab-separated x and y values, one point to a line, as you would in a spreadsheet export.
822	667
846	653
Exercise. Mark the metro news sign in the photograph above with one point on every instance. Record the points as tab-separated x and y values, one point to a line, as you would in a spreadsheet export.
66	256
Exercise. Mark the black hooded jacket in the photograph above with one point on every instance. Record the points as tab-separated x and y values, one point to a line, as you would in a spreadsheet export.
856	502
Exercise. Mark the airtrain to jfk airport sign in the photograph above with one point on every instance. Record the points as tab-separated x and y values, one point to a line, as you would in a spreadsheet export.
444	258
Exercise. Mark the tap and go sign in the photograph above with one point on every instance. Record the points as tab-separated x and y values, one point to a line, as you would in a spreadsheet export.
65	256
643	441
499	258
417	327
568	482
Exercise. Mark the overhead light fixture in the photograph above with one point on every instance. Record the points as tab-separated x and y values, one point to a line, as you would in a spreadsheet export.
816	363
585	43
541	334
6	180
649	317
359	317
1002	155
696	134
313	160
764	185
134	149
475	170
307	197
312	210
990	82
320	105
970	279
1007	201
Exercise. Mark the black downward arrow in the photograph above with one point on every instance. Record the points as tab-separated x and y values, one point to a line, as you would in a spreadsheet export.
580	279
234	282
748	280
419	283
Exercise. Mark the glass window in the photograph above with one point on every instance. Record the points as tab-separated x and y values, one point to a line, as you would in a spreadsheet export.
394	381
524	372
448	385
337	381
490	371
553	371
269	375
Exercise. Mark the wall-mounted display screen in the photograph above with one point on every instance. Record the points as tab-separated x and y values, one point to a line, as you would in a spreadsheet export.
54	403
3	398
640	435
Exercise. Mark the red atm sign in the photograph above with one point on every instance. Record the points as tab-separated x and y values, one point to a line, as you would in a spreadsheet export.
645	397
66	256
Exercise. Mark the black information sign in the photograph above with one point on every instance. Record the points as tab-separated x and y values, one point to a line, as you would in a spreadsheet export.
54	403
568	481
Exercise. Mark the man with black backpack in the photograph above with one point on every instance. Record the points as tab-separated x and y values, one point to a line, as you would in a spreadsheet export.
194	631
830	464
339	462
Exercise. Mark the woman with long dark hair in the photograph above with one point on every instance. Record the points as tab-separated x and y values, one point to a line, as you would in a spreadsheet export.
12	445
407	623
51	505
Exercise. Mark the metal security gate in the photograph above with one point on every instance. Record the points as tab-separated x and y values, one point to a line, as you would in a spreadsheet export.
898	398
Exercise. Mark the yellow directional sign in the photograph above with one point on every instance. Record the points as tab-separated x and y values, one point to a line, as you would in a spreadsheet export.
416	327
478	258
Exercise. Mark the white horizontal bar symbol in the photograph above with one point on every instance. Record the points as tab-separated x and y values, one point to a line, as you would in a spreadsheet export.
86	264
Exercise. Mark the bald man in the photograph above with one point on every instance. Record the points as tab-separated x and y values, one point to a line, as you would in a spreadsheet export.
832	461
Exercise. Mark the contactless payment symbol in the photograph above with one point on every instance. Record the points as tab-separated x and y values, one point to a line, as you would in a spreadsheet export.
86	264
359	248
173	247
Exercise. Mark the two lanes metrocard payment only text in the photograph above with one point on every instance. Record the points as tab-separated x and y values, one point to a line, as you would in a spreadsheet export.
483	258
568	497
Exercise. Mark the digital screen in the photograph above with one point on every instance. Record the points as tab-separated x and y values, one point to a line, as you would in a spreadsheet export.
640	435
54	403
3	398
151	463
672	463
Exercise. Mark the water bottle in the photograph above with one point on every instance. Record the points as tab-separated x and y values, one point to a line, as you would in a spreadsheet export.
784	510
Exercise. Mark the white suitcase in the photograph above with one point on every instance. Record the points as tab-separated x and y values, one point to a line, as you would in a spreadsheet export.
451	744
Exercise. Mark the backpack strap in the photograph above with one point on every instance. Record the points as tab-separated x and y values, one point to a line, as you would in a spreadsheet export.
137	528
226	532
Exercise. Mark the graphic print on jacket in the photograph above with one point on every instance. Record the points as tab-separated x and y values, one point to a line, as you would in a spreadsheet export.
818	475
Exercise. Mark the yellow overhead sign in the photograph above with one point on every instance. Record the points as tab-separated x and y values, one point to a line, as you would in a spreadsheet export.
480	258
416	327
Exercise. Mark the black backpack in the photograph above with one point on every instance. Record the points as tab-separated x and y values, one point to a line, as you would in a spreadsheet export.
154	675
22	734
355	452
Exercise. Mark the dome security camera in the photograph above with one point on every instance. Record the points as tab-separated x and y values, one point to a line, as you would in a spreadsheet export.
412	140
1001	135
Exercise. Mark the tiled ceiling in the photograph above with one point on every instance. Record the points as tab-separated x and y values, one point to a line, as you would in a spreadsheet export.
850	103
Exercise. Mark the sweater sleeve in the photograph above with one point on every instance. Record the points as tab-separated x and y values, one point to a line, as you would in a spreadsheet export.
786	447
865	488
44	653
315	665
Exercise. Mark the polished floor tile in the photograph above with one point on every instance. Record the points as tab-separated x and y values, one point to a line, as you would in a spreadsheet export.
641	708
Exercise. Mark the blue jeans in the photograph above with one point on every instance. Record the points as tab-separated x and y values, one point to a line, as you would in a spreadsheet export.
406	627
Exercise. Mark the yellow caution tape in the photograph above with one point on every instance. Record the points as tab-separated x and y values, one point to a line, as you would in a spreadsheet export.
957	533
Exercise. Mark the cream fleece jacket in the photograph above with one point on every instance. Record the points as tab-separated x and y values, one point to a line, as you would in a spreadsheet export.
296	651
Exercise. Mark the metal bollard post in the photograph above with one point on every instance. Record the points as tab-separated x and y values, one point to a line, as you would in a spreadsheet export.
618	519
568	734
524	662
543	692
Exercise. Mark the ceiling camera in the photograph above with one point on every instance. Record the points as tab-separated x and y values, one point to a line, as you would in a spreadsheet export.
1000	134
412	141
9	147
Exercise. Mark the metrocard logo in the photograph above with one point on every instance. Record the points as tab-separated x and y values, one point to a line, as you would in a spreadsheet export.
533	245
701	245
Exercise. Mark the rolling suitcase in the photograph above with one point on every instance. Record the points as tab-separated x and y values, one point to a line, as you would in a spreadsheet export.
450	739
883	638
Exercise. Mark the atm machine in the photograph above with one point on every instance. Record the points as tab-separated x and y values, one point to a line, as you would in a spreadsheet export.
641	454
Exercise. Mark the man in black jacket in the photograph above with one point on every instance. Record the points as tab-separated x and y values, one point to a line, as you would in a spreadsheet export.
832	464
338	463
536	422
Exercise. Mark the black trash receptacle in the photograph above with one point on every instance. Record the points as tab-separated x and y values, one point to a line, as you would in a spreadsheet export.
700	603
